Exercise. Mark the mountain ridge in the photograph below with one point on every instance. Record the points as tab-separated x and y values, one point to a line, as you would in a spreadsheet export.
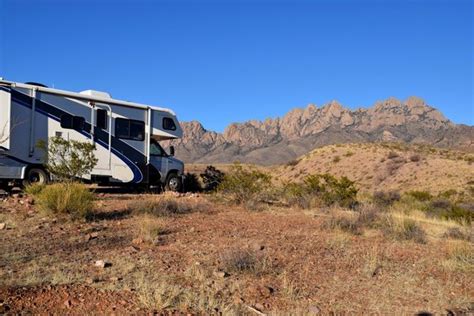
300	130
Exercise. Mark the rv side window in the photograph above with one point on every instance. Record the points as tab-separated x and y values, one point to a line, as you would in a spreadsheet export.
168	124
129	129
101	118
72	122
78	122
66	121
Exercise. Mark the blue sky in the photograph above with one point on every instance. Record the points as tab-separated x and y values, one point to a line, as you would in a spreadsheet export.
229	61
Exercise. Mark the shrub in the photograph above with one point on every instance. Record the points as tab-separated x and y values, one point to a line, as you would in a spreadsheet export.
321	189
34	189
343	220
386	198
403	229
212	177
420	195
456	233
415	158
245	184
69	198
336	159
246	261
149	228
191	183
68	159
292	163
461	212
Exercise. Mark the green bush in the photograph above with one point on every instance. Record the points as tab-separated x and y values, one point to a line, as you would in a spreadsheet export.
420	195
68	159
245	184
69	198
322	189
34	189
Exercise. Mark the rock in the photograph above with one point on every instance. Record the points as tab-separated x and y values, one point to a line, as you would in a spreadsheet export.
92	280
3	226
91	236
220	274
115	279
314	310
102	264
4	308
259	307
137	241
67	303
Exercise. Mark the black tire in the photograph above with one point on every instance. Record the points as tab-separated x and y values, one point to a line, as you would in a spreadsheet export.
173	182
35	176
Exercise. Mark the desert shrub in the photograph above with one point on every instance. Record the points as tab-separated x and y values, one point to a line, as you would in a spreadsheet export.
457	233
403	229
343	220
336	159
420	195
292	163
68	159
442	208
349	154
211	178
246	261
386	198
245	184
191	183
321	189
167	205
369	216
415	158
34	189
448	194
68	198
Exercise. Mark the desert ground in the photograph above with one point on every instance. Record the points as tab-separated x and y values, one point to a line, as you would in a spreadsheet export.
204	253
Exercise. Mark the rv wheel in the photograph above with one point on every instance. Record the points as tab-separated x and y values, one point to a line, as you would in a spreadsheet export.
173	182
35	175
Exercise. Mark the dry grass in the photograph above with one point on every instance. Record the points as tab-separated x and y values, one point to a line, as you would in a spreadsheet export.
239	260
460	257
169	204
149	228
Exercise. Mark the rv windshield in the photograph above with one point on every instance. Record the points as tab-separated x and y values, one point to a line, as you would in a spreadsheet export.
156	149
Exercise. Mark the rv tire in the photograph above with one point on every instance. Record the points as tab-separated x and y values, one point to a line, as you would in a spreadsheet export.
35	176
173	182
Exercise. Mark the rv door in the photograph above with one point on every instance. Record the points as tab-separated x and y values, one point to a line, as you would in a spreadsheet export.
103	136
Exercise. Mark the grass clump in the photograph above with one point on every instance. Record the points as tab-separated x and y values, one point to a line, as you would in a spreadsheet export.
167	205
149	228
34	189
460	257
420	195
402	228
244	185
382	198
457	233
65	198
246	261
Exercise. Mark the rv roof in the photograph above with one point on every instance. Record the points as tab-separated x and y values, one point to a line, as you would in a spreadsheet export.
102	98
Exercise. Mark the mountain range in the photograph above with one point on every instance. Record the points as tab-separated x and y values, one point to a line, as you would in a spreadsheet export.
280	140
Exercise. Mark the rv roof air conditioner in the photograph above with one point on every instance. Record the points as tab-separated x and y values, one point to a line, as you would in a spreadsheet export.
96	93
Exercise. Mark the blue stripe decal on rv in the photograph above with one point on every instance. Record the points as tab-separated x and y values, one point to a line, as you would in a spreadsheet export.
55	113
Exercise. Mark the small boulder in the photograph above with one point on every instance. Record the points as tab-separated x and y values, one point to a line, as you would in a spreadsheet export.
102	264
220	274
3	226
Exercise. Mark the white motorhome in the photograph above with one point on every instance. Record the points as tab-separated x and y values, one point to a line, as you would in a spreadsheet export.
126	135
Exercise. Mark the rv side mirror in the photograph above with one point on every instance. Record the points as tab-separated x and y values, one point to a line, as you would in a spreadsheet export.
171	150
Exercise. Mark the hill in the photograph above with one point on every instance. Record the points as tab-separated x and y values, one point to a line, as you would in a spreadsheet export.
280	140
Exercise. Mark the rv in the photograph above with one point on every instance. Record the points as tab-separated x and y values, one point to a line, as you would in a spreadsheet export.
126	136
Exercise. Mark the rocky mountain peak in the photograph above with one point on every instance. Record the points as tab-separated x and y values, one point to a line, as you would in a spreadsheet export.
277	140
